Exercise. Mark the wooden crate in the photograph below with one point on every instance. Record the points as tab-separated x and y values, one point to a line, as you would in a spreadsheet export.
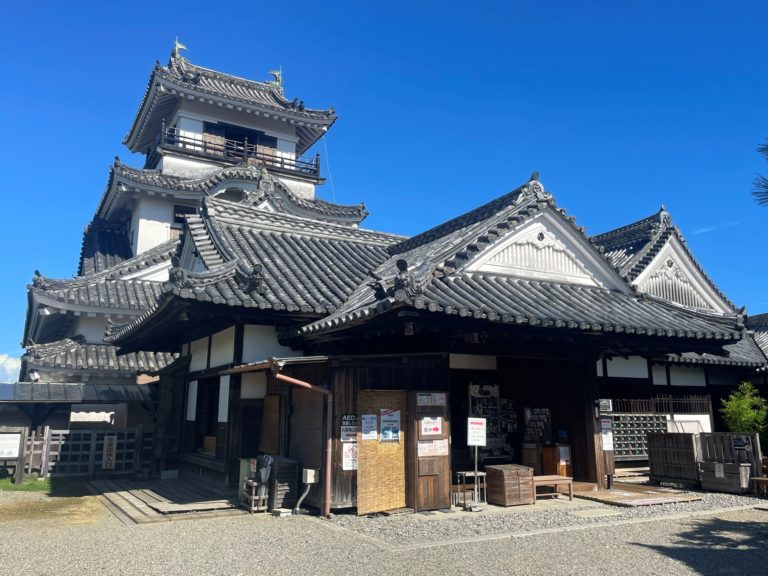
673	458
510	485
734	478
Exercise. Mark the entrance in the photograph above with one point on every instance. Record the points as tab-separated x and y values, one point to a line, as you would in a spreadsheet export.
430	456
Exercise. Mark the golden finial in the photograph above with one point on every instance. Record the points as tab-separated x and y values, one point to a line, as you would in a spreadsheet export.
278	77
178	47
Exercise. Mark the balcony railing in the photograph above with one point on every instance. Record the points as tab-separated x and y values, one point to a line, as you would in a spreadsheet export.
239	151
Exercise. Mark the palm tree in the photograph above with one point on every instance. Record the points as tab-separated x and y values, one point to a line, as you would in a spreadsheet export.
761	182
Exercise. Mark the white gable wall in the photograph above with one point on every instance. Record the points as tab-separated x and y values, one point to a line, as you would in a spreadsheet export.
260	343
547	248
150	223
672	276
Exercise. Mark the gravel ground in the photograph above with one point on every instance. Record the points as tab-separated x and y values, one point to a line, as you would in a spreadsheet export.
717	543
408	528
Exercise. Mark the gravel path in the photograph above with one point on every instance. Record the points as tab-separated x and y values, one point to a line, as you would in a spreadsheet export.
720	543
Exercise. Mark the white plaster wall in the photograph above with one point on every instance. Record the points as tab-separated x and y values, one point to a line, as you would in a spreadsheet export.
85	415
690	423
301	189
186	168
199	352
687	376
270	126
92	329
260	343
223	347
151	222
632	367
223	398
471	362
191	400
659	374
253	386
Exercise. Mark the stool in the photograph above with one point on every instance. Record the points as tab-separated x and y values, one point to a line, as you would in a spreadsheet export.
761	486
477	478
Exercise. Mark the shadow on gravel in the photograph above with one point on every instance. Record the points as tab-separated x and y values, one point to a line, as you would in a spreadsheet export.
716	547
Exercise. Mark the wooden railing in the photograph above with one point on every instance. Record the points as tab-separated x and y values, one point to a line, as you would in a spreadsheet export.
664	405
239	151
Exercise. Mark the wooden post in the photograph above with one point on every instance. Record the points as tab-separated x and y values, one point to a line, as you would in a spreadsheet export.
45	452
138	447
92	454
18	472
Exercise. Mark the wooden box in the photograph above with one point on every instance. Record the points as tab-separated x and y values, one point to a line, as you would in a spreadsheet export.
510	485
556	460
733	478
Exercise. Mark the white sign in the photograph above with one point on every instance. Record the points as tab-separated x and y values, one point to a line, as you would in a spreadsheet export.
430	426
369	427
428	448
349	456
475	431
719	470
606	432
433	399
390	425
349	428
9	445
109	453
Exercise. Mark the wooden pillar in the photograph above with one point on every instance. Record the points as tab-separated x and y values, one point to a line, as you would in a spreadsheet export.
596	467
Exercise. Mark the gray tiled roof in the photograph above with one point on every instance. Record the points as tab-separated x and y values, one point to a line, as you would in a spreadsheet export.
104	245
122	176
435	281
76	393
633	247
271	262
759	323
74	354
108	288
744	353
181	77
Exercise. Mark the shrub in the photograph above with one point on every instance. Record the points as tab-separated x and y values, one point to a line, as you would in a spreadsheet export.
745	410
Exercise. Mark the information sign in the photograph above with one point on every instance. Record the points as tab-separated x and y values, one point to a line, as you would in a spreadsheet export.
431	426
349	456
476	431
109	453
369	427
9	445
606	432
348	428
390	425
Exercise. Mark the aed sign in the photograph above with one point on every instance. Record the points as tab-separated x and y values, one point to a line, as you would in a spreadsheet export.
476	431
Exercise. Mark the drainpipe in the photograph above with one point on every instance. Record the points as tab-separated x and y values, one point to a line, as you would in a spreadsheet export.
276	367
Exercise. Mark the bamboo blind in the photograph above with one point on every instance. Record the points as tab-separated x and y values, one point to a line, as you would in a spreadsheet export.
381	465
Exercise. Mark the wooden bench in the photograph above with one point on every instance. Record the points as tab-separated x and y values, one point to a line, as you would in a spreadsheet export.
554	482
761	485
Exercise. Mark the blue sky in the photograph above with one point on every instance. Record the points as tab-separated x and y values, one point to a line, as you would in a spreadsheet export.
621	106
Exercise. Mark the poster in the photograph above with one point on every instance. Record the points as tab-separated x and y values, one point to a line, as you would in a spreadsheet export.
740	442
475	431
428	448
369	428
348	428
109	452
9	445
606	433
349	456
390	425
431	426
431	399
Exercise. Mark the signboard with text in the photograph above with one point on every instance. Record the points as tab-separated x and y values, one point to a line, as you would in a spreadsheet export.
476	431
9	445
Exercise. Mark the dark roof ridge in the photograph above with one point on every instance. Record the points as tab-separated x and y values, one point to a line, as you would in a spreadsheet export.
226	211
657	219
155	255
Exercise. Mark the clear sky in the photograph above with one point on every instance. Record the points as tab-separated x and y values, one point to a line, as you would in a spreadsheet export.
621	106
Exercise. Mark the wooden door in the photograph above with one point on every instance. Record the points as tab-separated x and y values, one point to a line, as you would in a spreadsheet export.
430	451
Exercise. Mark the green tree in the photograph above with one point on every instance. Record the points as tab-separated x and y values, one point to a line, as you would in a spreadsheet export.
745	410
761	182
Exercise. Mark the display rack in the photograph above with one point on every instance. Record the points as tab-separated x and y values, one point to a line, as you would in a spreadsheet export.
630	434
501	420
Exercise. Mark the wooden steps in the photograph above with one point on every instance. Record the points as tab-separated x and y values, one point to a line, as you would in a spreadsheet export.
146	501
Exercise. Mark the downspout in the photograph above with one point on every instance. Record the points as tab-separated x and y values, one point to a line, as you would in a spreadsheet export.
276	367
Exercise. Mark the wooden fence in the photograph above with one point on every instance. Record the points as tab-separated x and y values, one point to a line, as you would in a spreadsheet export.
88	452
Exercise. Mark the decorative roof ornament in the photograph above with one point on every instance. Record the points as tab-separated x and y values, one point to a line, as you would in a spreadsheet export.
534	188
177	48
277	76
